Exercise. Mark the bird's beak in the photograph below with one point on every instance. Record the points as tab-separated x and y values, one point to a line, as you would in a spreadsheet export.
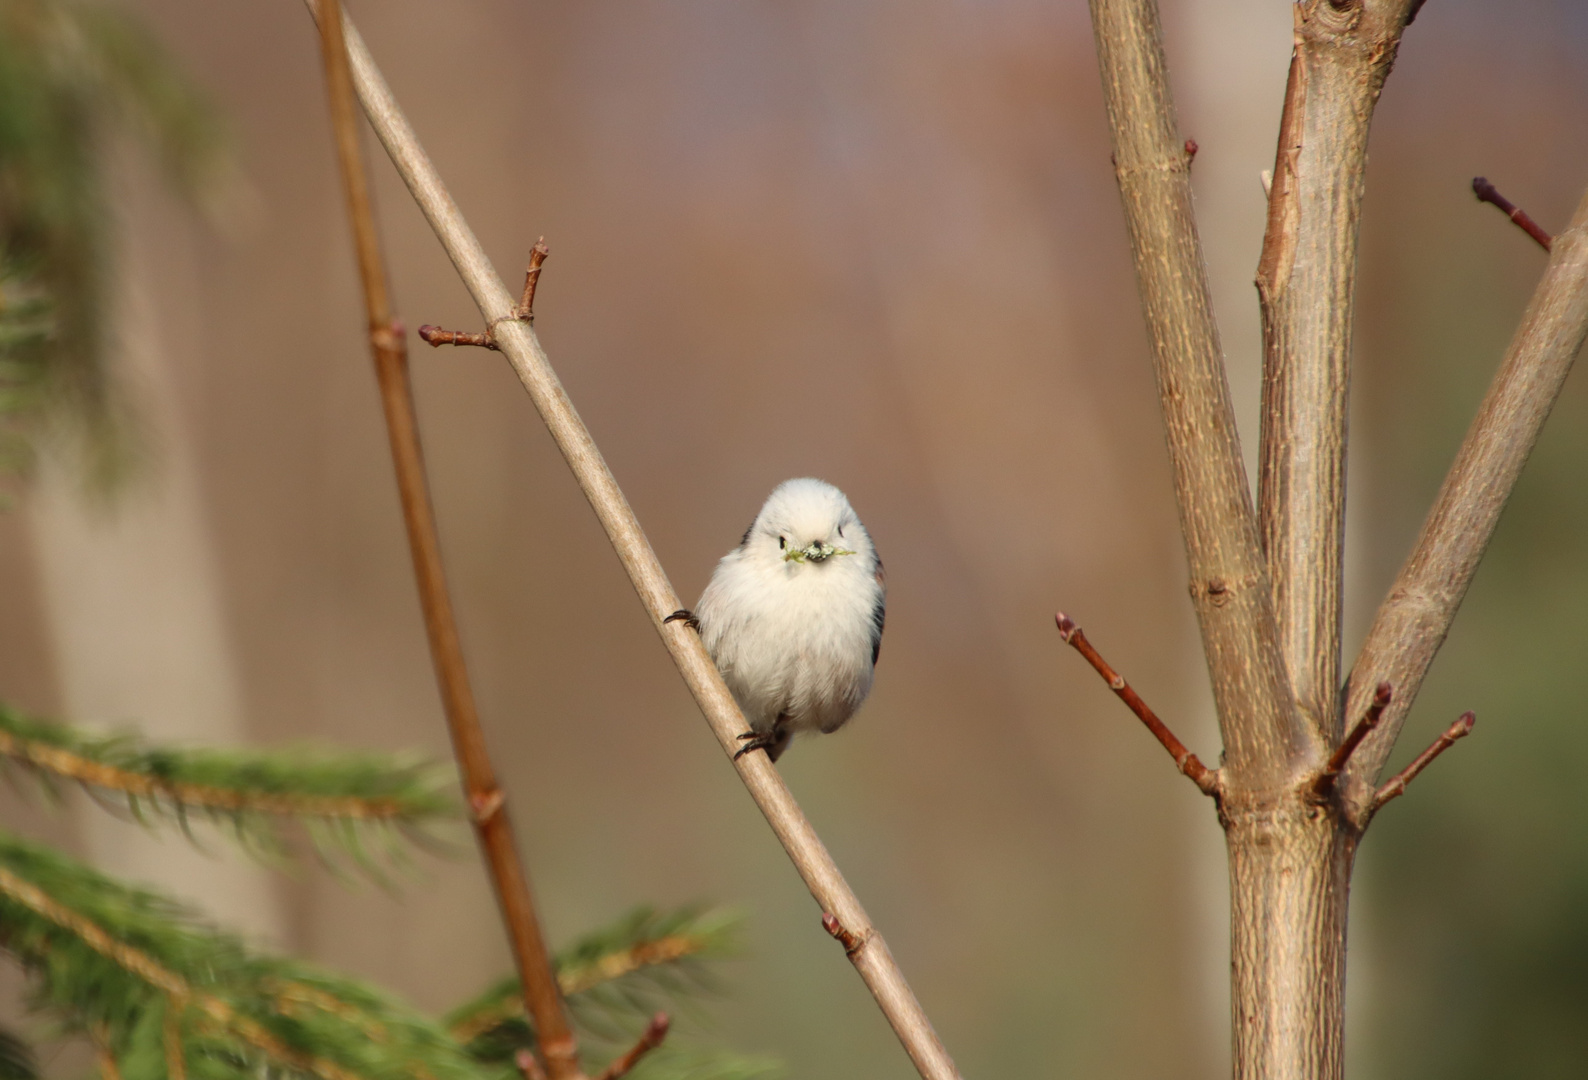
816	551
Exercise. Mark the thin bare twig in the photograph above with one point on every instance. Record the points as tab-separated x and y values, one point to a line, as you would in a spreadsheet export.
1397	784
526	304
528	1067
436	337
649	1040
492	827
1188	763
1414	618
1486	192
520	345
1342	753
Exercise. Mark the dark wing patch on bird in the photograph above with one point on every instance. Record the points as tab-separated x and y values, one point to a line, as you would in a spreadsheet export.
745	539
879	614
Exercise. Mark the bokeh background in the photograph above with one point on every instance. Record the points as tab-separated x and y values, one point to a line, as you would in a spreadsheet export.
876	242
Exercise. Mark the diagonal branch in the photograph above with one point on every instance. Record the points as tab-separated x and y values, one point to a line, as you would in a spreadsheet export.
518	342
1265	741
1306	283
492	827
1412	622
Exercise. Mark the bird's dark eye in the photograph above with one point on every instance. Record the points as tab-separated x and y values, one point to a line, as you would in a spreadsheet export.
782	542
840	530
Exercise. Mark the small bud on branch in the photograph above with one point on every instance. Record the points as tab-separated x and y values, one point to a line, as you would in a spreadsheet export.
526	304
851	941
436	337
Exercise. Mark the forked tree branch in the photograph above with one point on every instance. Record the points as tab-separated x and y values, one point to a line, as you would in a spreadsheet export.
518	342
1306	283
1413	620
492	827
1206	779
1266	743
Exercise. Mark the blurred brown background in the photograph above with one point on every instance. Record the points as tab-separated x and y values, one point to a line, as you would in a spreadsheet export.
879	243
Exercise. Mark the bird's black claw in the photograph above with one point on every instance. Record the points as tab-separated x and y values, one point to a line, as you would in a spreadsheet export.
685	616
755	741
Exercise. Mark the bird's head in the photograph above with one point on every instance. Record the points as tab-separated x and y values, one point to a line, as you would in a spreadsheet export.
807	522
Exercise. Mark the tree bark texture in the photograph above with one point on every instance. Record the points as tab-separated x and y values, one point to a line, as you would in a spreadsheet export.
1306	284
1265	745
1270	626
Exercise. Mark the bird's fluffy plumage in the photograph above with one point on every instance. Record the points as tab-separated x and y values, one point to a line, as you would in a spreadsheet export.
793	615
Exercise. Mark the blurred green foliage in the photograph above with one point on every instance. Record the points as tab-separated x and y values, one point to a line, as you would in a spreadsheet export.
72	77
1474	890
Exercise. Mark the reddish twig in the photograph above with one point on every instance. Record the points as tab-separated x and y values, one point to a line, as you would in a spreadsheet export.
1203	777
493	829
528	1067
655	1032
1486	192
526	305
436	337
1397	784
1342	753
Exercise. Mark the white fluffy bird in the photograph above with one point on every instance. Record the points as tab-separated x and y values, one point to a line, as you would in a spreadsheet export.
793	615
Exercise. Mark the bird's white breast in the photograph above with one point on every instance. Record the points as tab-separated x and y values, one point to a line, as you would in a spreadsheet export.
793	639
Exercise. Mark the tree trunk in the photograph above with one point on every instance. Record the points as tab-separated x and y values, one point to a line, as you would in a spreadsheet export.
1292	799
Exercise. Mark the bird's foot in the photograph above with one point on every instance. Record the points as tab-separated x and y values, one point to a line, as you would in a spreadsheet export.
756	741
685	616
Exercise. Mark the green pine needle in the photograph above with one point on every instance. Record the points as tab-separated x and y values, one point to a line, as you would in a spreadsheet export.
671	1063
613	980
17	1060
361	806
72	74
167	998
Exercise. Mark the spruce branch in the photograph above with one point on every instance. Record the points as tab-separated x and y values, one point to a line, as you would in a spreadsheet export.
70	73
345	800
610	977
519	343
17	1060
162	995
